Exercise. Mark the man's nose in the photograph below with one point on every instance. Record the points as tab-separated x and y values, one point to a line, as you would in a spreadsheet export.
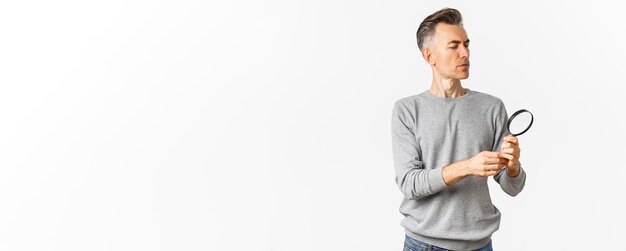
464	52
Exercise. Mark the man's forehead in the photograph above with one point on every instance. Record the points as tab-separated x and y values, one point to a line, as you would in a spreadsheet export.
450	32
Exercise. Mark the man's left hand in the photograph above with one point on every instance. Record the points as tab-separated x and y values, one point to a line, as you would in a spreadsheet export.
511	151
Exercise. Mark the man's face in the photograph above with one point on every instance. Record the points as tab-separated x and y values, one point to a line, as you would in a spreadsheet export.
449	51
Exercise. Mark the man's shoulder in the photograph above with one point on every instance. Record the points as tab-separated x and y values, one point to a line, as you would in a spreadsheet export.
408	99
487	98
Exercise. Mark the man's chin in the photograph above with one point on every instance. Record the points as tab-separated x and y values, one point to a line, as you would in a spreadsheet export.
463	76
458	75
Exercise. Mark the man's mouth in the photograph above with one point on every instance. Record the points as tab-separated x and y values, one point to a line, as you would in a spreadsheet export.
464	65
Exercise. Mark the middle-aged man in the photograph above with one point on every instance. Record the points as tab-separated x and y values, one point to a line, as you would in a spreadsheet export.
446	142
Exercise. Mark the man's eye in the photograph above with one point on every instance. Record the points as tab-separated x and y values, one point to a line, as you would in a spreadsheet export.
454	47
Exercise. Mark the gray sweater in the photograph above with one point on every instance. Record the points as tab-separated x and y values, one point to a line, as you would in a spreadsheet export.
429	133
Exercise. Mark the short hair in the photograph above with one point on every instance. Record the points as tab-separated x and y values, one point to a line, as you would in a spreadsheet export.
426	29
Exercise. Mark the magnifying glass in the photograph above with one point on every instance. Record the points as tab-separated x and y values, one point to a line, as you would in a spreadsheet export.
519	122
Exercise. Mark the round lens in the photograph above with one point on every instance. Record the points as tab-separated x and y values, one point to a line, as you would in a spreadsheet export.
520	122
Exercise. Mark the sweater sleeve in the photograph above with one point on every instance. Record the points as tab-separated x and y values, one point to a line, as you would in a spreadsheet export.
510	185
414	180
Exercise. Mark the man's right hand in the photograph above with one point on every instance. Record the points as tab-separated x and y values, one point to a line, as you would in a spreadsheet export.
485	164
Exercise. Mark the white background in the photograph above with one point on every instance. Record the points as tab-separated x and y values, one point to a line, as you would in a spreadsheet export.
265	125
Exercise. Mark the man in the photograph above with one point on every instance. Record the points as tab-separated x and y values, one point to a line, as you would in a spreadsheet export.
446	142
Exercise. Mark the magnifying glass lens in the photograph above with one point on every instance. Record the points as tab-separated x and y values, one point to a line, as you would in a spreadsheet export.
520	122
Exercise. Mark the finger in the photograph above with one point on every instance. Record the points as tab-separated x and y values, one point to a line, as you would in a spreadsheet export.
489	161
512	139
492	154
488	173
512	151
514	147
507	156
506	145
508	150
493	167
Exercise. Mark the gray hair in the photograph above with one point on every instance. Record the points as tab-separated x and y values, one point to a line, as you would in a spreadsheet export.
426	29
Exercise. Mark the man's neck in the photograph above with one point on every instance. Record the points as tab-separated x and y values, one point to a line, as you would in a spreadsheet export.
449	88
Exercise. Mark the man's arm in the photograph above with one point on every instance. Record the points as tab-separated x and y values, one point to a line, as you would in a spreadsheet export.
512	178
414	180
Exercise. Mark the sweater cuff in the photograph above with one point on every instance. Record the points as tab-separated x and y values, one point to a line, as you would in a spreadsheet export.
519	179
436	180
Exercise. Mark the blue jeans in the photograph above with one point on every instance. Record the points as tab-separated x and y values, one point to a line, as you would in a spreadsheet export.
411	244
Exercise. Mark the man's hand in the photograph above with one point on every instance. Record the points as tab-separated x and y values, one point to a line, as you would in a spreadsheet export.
485	164
510	150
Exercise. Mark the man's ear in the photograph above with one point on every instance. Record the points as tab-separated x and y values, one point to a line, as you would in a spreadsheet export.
428	56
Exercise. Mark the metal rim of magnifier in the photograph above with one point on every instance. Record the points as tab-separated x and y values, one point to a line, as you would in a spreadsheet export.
508	123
